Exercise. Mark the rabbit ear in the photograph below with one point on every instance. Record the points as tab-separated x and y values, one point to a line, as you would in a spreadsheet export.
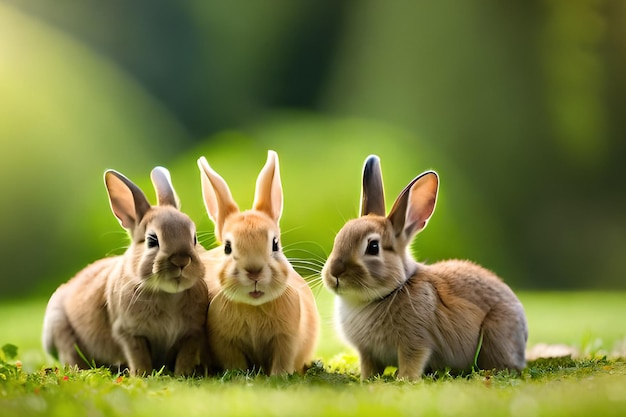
162	182
415	204
128	202
268	197
218	200
372	194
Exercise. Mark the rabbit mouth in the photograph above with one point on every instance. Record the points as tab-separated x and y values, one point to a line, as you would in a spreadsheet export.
256	293
171	282
173	285
332	282
177	280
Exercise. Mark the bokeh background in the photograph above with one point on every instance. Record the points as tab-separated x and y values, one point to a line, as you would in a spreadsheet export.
519	105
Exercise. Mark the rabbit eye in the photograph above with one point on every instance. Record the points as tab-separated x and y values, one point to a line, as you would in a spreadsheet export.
195	239
228	249
275	244
373	247
152	241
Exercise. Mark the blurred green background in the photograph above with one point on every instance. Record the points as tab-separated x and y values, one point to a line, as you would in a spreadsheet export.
518	105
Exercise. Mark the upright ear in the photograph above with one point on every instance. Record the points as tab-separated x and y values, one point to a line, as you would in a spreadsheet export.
128	202
218	200
162	181
415	204
372	194
268	196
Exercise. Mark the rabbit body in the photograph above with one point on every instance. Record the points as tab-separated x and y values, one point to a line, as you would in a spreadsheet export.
145	309
398	312
275	332
277	337
263	316
77	317
434	322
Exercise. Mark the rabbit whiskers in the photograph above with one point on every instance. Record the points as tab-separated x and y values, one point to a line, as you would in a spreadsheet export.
148	286
314	268
206	239
138	290
310	268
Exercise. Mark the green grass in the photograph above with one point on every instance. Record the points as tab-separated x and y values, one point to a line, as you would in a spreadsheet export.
592	385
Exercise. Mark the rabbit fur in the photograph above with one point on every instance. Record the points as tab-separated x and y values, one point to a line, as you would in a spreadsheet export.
263	316
144	309
420	318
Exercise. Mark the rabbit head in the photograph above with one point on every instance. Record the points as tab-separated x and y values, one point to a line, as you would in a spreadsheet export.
370	255
252	269
162	253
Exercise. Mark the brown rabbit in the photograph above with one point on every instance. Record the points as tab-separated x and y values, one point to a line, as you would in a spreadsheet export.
264	316
144	309
398	312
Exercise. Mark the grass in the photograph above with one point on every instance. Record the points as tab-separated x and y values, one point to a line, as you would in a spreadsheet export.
595	384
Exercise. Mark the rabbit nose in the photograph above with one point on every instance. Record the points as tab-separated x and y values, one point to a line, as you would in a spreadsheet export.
337	268
253	273
180	261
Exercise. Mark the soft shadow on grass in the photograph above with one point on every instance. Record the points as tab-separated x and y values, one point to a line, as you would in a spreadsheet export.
31	384
547	387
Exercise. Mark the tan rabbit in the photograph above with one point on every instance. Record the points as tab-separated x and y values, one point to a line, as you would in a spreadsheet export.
144	309
398	312
264	316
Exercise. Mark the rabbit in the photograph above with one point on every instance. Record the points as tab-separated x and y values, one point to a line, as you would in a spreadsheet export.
264	316
419	318
145	309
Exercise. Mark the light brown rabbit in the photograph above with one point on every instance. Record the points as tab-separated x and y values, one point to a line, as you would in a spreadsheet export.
264	316
398	312
144	309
